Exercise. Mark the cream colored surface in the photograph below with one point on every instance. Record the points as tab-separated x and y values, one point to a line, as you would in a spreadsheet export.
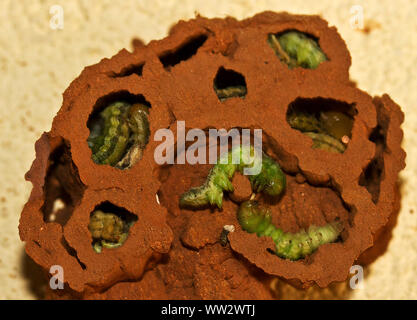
38	63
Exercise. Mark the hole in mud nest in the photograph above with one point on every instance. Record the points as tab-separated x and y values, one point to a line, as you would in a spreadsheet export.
327	122
109	226
184	52
374	172
119	129
128	71
297	49
371	177
63	188
229	84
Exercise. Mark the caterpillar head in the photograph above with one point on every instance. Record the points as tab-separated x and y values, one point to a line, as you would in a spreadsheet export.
253	218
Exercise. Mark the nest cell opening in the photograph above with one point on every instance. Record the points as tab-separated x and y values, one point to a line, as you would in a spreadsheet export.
63	188
184	52
109	226
229	83
297	49
327	122
119	129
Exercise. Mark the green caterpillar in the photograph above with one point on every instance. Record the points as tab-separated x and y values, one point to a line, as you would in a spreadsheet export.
326	130
326	142
256	219
337	124
230	92
297	50
108	230
119	135
270	180
304	122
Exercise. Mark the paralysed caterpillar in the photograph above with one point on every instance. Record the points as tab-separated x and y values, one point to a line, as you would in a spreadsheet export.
297	50
256	219
230	92
119	134
228	84
108	230
270	180
327	130
326	142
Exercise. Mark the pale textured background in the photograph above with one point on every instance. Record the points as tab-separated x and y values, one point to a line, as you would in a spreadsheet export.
38	63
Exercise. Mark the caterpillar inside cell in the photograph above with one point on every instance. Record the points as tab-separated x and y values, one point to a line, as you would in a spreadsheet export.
297	49
327	122
119	134
229	84
109	226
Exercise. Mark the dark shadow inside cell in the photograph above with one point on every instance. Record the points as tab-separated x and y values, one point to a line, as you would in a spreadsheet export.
125	72
327	122
123	95
374	172
63	188
183	52
109	226
119	129
228	84
370	177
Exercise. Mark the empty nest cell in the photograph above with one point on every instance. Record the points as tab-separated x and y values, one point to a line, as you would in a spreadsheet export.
184	52
63	188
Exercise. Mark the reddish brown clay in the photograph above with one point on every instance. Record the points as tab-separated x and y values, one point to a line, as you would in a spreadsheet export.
242	188
176	253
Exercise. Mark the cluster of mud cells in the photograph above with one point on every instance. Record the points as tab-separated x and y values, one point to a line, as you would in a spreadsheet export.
124	227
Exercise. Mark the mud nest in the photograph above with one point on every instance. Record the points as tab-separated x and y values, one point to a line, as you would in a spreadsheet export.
109	215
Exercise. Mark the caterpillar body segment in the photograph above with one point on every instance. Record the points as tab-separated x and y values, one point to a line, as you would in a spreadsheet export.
270	179
119	134
293	246
296	49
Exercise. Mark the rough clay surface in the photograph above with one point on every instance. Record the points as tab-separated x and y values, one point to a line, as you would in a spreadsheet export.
173	253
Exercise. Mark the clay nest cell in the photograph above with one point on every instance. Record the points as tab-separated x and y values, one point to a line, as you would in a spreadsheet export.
212	73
